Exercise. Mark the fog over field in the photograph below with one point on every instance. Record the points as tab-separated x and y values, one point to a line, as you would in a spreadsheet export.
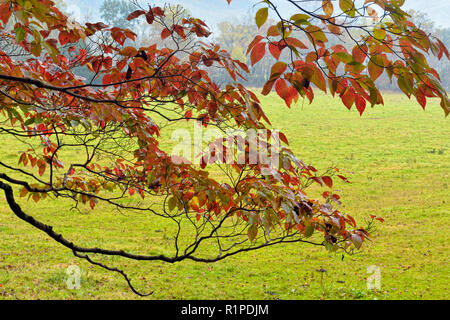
217	10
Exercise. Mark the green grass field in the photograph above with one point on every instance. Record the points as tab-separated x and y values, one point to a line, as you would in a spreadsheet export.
397	157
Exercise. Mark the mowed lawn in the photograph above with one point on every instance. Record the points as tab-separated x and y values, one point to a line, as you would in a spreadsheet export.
397	157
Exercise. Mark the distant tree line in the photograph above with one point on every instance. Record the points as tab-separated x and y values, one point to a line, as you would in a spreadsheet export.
235	35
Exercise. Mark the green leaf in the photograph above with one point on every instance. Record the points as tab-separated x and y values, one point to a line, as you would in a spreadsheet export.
355	67
36	48
261	16
404	86
20	34
375	67
172	203
309	231
300	17
316	33
252	232
379	33
330	247
277	69
344	56
348	7
151	177
29	121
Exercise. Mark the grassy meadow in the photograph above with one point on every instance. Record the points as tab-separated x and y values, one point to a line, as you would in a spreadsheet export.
397	158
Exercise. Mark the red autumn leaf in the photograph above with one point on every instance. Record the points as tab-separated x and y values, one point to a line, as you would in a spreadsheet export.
283	137
44	33
374	70
359	53
179	30
188	114
360	103
149	17
267	87
129	52
336	196
157	11
328	181
292	95
294	42
5	12
42	168
277	70
92	203
421	99
23	192
165	33
319	181
352	221
348	98
274	50
318	79
343	178
242	65
118	35
258	52
64	37
135	14
281	88
36	197
141	193
255	41
273	31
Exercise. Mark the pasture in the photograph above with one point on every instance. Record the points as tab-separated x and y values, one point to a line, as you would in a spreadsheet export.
397	158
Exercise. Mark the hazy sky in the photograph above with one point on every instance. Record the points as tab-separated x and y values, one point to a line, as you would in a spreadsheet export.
213	11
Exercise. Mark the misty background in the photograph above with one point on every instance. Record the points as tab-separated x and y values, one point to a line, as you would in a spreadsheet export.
233	28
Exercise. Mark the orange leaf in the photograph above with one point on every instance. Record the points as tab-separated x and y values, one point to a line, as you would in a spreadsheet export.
36	197
327	7
374	70
129	52
318	79
359	53
23	192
